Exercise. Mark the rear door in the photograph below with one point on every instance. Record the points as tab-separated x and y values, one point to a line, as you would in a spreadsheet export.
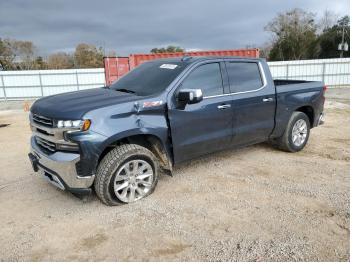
253	102
206	126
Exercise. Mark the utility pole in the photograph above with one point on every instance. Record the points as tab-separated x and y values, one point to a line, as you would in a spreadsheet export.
342	42
343	46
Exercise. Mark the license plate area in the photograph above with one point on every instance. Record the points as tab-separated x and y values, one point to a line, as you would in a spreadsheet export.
46	174
34	162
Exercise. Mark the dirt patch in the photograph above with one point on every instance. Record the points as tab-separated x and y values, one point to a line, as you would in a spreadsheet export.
172	249
252	204
93	241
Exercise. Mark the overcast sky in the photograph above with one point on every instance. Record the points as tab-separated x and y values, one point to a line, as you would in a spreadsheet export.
137	26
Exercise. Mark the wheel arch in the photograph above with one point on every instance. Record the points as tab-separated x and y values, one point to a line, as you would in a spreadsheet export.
150	141
309	112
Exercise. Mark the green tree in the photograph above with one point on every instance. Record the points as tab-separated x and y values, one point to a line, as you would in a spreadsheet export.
88	56
169	49
331	37
294	35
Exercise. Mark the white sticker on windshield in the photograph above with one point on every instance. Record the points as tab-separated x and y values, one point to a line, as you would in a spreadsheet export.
168	66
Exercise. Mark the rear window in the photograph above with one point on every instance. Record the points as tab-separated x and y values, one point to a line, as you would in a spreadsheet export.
244	76
150	77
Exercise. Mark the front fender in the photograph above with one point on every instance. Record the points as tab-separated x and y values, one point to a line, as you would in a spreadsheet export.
122	121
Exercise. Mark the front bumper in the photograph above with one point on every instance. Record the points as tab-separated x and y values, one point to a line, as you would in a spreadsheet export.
60	169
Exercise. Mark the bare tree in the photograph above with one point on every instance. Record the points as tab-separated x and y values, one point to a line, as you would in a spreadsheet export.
24	52
265	50
327	21
6	55
88	56
60	60
293	35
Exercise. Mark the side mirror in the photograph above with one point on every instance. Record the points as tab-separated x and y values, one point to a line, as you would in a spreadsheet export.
189	96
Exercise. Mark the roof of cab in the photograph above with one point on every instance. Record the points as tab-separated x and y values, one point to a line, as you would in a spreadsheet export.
192	59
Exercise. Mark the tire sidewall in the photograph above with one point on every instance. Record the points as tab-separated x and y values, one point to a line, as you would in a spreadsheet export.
119	165
297	116
110	165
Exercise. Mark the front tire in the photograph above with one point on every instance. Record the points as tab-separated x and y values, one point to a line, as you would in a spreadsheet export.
126	174
296	135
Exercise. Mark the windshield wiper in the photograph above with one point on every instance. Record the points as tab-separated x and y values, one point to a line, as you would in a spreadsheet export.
125	91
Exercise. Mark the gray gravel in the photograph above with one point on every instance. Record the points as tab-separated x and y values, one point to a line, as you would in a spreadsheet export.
252	204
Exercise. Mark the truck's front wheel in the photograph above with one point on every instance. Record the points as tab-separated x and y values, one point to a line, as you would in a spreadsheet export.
296	134
126	174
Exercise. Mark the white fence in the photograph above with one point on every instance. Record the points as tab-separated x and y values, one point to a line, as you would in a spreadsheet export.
334	72
17	85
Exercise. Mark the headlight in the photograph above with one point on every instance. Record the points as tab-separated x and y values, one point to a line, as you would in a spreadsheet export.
74	124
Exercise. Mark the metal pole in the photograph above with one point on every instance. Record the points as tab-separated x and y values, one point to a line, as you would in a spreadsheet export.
323	71
41	85
3	87
287	73
342	42
76	76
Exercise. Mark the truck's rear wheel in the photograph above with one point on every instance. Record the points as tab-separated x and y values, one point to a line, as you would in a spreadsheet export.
126	174
296	134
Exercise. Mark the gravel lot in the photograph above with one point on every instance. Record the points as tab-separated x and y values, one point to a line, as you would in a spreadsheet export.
252	204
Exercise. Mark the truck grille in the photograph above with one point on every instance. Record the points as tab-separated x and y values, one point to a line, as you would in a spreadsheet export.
41	120
45	144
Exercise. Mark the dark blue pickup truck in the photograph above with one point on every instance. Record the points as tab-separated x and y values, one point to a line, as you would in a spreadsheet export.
117	139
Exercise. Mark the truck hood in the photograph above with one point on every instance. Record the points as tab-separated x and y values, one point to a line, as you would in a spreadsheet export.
74	105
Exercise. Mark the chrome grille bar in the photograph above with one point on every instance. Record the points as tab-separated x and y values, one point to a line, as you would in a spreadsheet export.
45	144
42	120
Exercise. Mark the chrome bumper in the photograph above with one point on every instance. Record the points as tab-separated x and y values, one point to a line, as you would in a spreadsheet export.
60	167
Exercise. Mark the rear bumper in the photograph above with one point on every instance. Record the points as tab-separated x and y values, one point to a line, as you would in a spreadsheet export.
60	169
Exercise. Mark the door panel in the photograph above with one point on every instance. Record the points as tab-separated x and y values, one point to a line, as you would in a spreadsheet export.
253	118
206	126
253	103
201	128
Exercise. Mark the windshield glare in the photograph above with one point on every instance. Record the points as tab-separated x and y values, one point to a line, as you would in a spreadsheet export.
149	78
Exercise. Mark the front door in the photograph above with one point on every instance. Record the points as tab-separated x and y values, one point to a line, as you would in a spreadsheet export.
206	126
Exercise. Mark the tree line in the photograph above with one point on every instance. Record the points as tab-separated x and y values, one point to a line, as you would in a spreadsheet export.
21	55
295	35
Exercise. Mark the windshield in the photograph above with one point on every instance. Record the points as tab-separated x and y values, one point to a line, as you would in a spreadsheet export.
149	78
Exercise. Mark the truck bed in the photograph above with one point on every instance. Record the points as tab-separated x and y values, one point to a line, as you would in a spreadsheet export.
280	82
284	85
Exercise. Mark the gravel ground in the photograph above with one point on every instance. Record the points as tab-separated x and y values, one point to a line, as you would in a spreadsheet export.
252	204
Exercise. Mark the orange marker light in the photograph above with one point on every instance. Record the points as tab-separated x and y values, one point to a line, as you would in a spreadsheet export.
86	125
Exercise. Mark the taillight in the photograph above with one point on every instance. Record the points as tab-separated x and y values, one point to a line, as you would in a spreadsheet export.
325	88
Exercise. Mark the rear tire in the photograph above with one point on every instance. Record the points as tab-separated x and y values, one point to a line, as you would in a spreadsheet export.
126	174
296	135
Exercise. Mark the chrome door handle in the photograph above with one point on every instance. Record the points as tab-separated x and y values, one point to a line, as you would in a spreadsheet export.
268	99
224	106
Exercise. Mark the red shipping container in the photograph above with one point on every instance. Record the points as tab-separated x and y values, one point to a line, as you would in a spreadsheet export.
137	59
115	67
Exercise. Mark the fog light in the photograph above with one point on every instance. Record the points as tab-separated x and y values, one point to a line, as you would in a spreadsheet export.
64	147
